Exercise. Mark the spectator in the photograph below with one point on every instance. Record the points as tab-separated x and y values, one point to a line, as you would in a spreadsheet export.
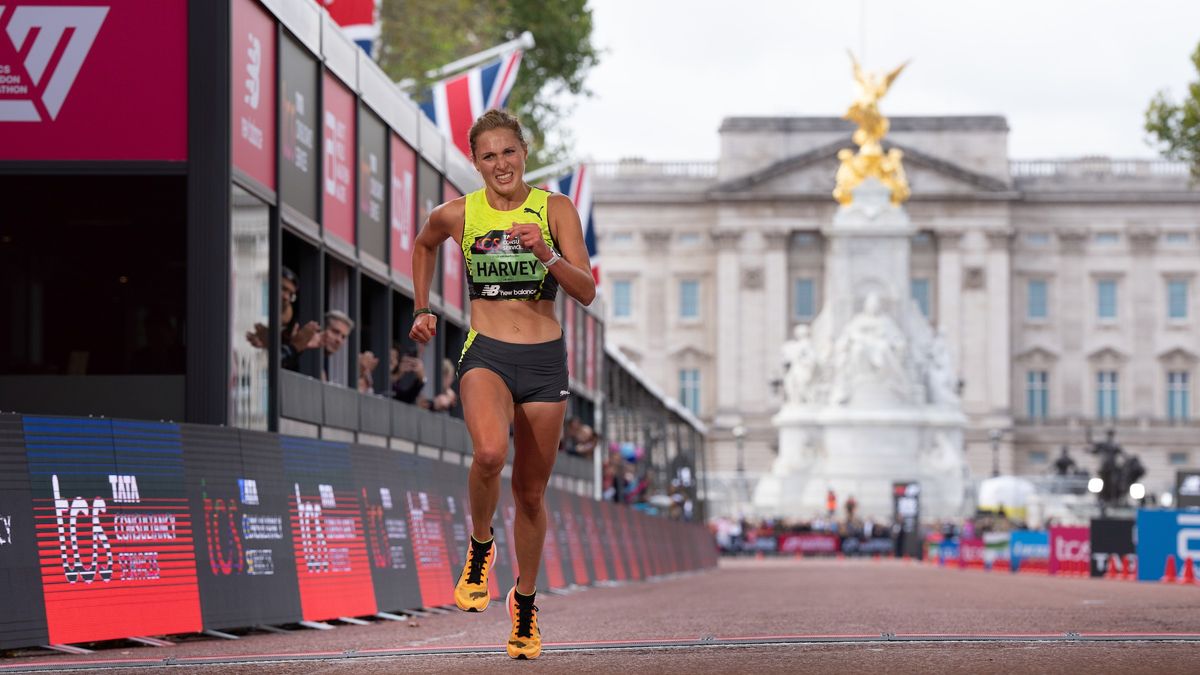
578	439
831	504
337	328
367	361
407	373
447	400
293	338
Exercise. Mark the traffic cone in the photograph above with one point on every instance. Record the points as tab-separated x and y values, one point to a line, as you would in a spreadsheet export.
1169	570
1189	572
1112	572
1127	568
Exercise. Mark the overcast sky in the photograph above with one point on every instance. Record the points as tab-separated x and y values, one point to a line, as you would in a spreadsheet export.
1072	77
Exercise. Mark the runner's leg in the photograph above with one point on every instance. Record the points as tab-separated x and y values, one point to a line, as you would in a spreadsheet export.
537	429
488	409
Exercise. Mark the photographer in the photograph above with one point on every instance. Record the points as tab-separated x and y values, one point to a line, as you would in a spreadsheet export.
406	372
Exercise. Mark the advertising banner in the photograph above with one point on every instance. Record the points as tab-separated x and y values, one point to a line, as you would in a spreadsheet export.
996	546
1113	538
1187	489
1068	547
403	205
632	560
114	530
299	117
245	565
252	95
382	478
588	515
971	552
1029	547
566	518
337	153
94	80
372	177
452	260
24	621
610	537
1166	533
332	567
426	526
809	543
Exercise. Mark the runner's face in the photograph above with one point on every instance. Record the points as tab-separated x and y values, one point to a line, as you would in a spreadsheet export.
500	159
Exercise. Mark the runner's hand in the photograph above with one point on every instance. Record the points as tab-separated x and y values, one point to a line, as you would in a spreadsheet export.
530	236
424	328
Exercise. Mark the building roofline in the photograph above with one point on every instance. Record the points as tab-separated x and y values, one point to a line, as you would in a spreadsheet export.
899	123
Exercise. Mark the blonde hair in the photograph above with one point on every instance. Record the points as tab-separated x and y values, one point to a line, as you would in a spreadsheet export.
496	119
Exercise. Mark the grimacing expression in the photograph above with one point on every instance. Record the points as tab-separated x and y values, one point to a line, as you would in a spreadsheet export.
335	335
500	159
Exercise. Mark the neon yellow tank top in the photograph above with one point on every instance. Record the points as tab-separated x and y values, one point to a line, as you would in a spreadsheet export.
499	268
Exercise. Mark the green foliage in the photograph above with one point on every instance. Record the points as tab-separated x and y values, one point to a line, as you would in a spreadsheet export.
1175	127
419	36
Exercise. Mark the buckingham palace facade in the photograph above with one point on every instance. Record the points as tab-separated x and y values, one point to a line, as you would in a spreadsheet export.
1067	288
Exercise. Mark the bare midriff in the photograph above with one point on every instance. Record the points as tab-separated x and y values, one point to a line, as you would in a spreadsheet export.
517	321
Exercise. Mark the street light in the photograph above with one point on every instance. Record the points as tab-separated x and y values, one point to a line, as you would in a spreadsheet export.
994	434
1096	485
1137	491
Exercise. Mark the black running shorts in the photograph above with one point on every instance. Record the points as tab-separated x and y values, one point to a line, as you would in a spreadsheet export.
536	372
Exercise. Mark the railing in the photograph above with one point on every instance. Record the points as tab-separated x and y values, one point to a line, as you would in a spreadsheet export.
1093	167
637	168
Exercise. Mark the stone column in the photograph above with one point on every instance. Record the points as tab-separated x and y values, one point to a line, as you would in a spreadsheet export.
999	316
1073	300
658	286
727	244
1145	289
777	314
949	284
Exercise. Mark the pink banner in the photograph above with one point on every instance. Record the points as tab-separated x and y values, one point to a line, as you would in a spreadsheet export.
808	543
404	202
971	553
452	260
89	80
252	92
1069	546
338	166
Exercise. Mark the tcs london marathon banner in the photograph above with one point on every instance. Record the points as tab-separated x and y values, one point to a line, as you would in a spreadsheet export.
93	80
112	529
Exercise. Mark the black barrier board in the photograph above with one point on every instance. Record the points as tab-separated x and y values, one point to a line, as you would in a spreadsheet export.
587	513
1109	537
452	491
1187	489
245	566
567	520
506	518
426	528
381	477
556	502
22	621
372	176
114	528
332	568
612	552
504	569
628	552
643	546
551	573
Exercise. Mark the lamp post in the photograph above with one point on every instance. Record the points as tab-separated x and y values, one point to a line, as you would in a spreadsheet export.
994	434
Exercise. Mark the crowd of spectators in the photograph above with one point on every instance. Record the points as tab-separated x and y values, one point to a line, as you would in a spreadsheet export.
406	369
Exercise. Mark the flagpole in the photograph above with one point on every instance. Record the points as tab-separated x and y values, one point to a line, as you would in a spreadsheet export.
523	41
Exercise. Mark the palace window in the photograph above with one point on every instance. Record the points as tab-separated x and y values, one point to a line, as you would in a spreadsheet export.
919	290
1036	394
1106	395
622	299
689	389
1178	395
1106	299
1035	307
689	299
1177	299
804	300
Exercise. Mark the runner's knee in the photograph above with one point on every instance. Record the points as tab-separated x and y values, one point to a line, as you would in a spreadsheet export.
490	460
528	498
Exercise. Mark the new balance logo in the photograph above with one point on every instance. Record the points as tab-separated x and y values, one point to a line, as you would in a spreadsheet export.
35	89
490	290
537	213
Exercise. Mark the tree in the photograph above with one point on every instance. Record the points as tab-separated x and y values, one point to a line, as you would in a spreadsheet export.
1175	128
420	36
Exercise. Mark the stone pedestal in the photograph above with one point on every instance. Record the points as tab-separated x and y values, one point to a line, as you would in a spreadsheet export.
879	402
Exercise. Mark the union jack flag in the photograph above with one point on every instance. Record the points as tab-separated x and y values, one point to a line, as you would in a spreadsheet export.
359	20
577	185
455	102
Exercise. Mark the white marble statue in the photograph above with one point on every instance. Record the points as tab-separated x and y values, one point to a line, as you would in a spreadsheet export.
871	346
800	367
940	376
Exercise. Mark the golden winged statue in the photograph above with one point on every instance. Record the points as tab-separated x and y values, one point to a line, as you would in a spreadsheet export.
870	161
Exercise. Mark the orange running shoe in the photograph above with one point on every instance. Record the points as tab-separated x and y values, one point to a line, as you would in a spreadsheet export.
525	641
471	592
